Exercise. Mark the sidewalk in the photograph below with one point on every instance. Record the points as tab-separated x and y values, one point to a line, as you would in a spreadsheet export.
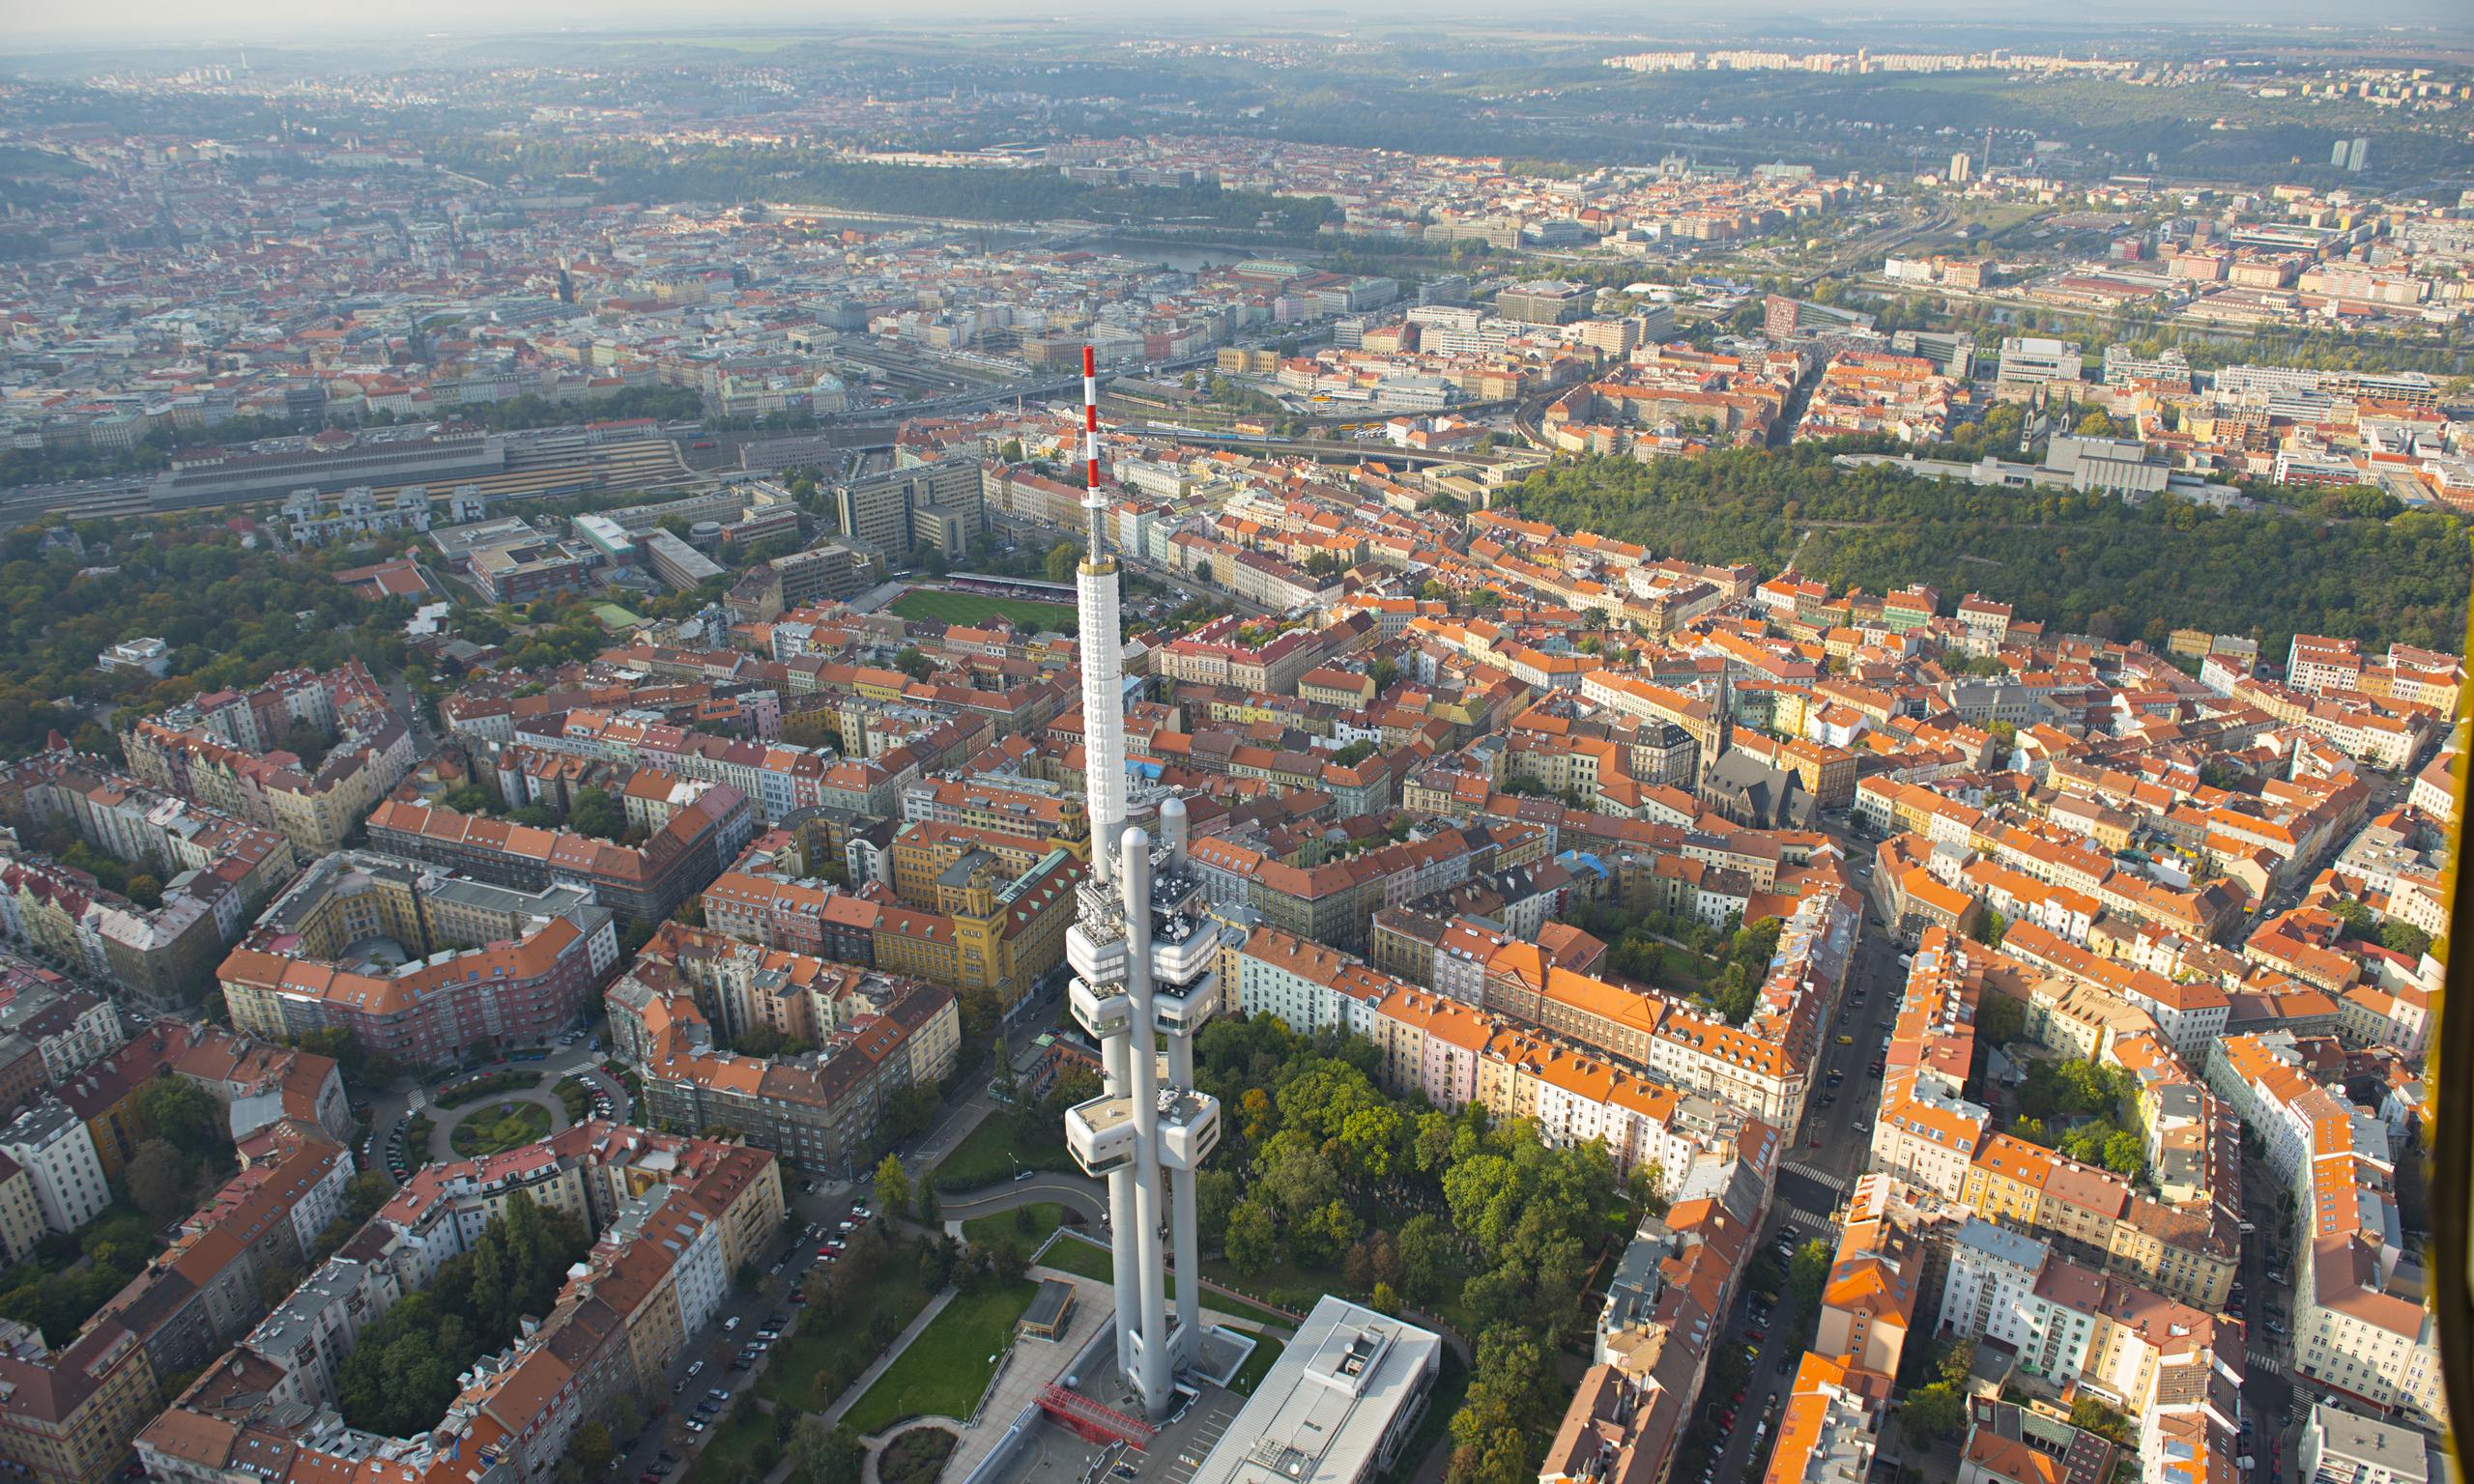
893	1352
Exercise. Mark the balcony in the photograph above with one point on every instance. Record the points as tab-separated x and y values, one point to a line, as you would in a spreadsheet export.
1100	1135
1103	1011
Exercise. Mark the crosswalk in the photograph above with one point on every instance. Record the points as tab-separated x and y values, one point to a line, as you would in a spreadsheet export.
2268	1361
1803	1219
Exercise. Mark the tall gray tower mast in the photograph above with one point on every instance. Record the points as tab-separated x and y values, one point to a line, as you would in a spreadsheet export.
1145	956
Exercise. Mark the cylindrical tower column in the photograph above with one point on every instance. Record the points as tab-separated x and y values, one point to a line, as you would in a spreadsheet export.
1133	880
1100	649
1188	1248
1173	831
1123	1248
1186	1244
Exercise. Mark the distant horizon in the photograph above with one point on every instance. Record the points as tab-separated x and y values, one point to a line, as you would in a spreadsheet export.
164	26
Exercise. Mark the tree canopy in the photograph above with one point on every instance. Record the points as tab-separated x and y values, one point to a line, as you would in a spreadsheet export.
2085	563
401	1374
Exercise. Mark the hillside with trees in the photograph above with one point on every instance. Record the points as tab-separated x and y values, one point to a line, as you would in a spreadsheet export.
2083	564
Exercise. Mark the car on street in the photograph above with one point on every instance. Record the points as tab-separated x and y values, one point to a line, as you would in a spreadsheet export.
1847	1041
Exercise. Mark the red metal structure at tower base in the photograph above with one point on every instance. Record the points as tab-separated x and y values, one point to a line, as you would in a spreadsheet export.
1090	1421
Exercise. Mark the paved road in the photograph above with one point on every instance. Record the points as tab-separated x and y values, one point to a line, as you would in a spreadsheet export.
1085	1196
2267	1388
389	1110
441	1138
713	1348
1812	1184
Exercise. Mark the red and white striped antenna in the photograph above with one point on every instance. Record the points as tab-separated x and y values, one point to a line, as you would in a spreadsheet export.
1093	502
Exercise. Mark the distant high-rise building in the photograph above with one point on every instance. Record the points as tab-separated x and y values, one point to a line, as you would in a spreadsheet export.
1962	168
2357	152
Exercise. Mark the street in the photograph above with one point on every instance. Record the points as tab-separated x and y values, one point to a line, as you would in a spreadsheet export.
810	1206
1812	1184
2267	1391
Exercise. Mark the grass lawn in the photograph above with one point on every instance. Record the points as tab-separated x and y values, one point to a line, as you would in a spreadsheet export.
613	618
840	1347
1282	1283
971	608
943	1372
1037	1143
1044	1217
1257	1365
1998	216
1084	1259
495	1131
729	1449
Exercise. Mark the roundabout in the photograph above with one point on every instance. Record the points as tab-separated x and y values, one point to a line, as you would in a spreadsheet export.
495	1124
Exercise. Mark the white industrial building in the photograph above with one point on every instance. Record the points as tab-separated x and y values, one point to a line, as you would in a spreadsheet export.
1335	1408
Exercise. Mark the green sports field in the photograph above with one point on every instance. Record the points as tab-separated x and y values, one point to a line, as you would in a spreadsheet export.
971	608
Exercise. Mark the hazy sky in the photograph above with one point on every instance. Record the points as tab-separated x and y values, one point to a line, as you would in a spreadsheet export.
276	21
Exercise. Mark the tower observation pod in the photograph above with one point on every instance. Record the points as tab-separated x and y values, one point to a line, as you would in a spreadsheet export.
1145	955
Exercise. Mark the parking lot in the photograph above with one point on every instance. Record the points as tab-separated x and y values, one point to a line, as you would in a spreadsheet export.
1181	1448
